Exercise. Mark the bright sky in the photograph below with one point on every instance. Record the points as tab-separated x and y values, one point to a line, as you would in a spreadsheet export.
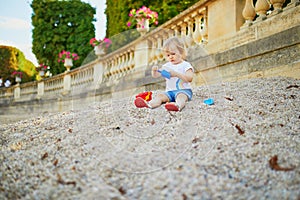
16	28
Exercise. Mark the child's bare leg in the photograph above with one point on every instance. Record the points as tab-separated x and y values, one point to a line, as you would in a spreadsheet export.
181	100
158	100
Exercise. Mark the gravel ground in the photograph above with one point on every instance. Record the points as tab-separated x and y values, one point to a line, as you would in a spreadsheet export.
245	146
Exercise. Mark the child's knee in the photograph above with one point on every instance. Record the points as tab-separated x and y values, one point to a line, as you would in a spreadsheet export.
182	96
163	97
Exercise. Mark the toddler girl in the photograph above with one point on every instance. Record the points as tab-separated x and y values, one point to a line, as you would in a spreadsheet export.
178	74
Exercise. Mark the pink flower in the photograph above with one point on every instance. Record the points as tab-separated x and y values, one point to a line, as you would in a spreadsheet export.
142	14
17	74
94	42
66	54
42	67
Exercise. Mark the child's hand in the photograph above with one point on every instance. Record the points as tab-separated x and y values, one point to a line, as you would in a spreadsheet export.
165	74
173	73
155	73
154	68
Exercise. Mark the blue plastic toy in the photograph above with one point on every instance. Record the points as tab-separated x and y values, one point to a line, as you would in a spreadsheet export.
209	101
165	73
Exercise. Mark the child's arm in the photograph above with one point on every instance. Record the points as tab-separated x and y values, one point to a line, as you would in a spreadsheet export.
187	77
154	72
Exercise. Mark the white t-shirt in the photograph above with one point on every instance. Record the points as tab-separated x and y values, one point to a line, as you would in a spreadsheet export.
175	83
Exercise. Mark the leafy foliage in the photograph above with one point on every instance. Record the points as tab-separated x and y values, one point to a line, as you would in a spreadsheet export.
61	25
12	59
117	16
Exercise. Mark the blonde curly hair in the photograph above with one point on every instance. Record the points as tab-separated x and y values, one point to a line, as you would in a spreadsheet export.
176	45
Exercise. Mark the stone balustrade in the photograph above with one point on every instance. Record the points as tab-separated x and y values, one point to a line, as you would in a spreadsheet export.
208	23
262	9
82	79
27	91
52	86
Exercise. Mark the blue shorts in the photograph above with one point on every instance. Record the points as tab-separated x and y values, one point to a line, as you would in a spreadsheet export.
173	94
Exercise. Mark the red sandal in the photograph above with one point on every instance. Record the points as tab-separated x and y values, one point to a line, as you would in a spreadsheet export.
140	103
171	107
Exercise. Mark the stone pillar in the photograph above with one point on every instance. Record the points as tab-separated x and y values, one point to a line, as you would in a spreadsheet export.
41	88
17	91
224	18
98	74
67	83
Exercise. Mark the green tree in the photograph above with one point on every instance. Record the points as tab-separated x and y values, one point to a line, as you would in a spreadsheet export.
12	59
61	25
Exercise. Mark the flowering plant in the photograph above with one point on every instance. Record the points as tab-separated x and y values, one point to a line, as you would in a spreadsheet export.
106	41
141	15
42	67
17	74
66	54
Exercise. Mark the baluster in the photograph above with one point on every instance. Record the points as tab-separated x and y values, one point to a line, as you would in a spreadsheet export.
155	50
204	32
108	68
131	60
158	48
118	68
121	69
190	27
126	62
261	7
160	55
182	29
197	35
121	66
105	70
114	63
111	67
171	33
248	13
152	53
115	70
189	37
277	4
175	29
105	65
117	62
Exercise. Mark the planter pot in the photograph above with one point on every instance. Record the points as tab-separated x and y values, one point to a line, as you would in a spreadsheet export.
42	73
99	50
142	26
18	79
68	63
